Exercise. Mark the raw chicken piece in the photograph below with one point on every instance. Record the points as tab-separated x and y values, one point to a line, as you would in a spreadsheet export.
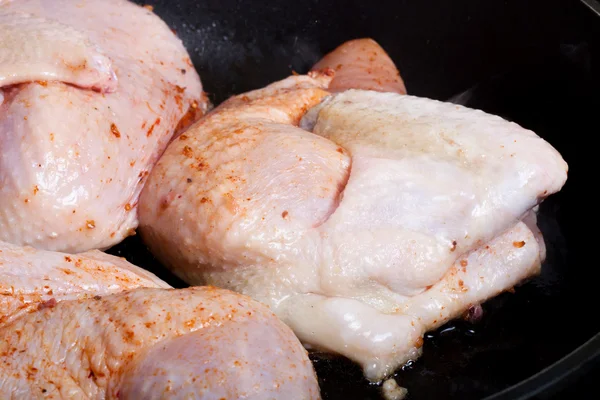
31	278
195	343
49	50
215	187
91	93
396	216
362	64
430	181
381	335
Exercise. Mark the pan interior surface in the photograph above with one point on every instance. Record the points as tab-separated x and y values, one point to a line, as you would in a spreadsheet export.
535	63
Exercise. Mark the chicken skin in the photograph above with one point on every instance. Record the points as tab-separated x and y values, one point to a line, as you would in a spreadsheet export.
363	218
149	343
31	278
91	92
361	64
93	325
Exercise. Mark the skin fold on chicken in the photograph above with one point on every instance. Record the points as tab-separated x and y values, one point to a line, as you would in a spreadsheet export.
91	92
30	278
151	343
94	326
362	218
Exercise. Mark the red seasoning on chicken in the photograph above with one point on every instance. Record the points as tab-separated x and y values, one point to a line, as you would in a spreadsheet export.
30	278
91	92
362	64
363	218
150	343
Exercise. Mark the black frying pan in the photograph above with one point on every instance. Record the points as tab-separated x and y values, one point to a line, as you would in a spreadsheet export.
534	62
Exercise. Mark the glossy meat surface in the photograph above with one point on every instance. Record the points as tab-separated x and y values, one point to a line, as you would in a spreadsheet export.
91	92
367	222
430	181
196	343
219	184
38	49
381	334
362	64
31	278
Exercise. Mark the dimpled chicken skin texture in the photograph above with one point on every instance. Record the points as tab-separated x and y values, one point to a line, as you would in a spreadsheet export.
149	343
31	278
91	92
362	218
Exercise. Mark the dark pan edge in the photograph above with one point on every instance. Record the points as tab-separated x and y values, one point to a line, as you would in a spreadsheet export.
592	5
551	379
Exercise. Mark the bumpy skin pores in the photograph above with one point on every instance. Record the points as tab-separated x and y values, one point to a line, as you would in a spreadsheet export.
90	94
384	217
362	64
196	343
31	278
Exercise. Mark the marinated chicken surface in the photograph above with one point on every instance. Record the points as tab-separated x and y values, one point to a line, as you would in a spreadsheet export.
429	181
30	278
386	216
90	94
149	343
361	64
382	334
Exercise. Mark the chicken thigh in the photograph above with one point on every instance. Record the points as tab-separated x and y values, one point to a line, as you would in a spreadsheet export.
149	343
90	94
383	217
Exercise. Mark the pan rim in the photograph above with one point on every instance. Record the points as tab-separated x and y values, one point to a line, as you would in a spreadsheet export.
555	376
